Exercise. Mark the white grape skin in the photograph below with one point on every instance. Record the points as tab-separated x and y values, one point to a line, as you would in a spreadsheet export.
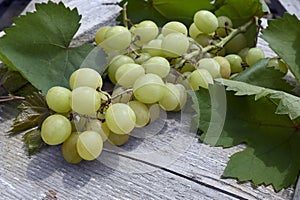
203	39
254	55
200	78
89	145
157	65
171	97
225	66
211	65
120	118
206	21
127	74
99	127
174	27
99	36
154	111
141	112
117	38
194	31
55	129
223	23
182	97
69	150
278	64
235	63
148	88
58	99
175	44
115	63
117	139
143	57
153	47
85	77
146	30
85	101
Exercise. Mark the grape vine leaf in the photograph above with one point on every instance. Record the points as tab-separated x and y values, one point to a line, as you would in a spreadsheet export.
33	141
283	36
162	11
10	81
271	156
262	75
38	45
34	110
240	12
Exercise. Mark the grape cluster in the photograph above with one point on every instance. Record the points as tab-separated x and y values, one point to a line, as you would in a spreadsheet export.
151	69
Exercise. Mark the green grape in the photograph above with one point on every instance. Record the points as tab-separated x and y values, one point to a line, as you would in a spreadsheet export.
225	66
55	129
194	31
141	58
85	77
69	150
115	63
148	88
120	118
211	65
235	63
154	111
58	99
182	97
235	45
99	127
127	74
141	112
170	99
223	24
117	38
278	64
145	31
121	95
117	139
99	36
174	27
254	55
85	101
153	47
187	67
203	39
157	65
243	53
200	78
89	145
175	44
206	21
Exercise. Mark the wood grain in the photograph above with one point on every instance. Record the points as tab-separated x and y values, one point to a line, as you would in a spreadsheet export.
165	162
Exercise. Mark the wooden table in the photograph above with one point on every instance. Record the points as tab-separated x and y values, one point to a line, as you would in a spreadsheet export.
193	174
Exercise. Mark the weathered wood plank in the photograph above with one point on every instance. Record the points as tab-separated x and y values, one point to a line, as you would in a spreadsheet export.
193	174
291	6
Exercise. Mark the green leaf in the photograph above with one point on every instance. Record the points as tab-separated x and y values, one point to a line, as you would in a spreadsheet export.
261	75
10	81
283	36
33	141
271	156
38	45
240	12
162	11
34	110
288	103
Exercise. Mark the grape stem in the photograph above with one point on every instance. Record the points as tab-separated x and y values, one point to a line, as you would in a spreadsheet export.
124	92
125	18
225	40
10	98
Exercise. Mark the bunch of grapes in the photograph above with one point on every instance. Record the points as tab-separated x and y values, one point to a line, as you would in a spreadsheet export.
152	69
